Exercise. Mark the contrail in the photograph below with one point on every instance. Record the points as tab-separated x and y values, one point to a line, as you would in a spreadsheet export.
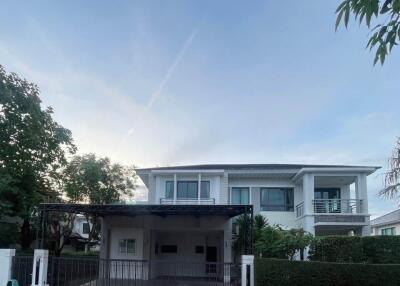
171	69
156	94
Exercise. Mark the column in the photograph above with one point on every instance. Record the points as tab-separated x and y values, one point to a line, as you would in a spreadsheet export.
175	189
199	190
308	193
40	260
247	265
6	257
361	193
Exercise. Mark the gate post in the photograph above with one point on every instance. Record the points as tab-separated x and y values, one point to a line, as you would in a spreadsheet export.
247	270
39	271
6	257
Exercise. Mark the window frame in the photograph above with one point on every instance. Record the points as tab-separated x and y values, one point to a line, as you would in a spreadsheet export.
286	207
203	182
391	229
123	246
241	189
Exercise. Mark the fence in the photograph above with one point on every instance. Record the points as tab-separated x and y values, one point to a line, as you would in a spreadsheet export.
92	271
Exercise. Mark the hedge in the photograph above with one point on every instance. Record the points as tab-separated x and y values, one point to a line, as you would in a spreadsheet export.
271	272
372	249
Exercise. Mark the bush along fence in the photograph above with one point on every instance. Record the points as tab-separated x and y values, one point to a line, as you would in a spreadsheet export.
379	249
271	272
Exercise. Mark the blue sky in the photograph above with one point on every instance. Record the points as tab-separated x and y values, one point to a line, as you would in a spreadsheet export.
183	82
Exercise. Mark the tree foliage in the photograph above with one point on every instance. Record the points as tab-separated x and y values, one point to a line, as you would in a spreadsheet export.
95	180
392	177
32	147
386	34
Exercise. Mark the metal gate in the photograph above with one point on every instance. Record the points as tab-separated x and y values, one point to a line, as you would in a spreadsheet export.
92	271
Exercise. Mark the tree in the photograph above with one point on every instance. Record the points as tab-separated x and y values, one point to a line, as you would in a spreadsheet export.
89	179
242	223
32	147
386	34
392	177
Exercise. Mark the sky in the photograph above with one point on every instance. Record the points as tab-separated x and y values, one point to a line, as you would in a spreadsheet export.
157	83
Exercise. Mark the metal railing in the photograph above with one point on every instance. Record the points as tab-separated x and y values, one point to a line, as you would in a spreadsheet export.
208	201
21	270
300	210
347	206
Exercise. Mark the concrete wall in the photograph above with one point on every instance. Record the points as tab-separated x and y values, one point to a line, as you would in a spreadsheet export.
185	231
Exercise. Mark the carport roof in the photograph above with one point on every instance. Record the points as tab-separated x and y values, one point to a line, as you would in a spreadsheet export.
162	210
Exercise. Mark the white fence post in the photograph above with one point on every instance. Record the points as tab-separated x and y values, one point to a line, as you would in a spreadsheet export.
6	257
41	260
247	260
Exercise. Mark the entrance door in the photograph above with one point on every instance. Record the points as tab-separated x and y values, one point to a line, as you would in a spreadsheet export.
211	259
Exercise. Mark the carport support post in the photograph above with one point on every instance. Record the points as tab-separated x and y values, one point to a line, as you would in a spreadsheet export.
247	266
6	257
39	269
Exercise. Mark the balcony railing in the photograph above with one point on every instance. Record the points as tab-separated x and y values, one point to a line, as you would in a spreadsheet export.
346	206
209	201
300	210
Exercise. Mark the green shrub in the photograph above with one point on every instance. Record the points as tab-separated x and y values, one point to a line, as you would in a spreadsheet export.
271	272
337	249
372	249
382	249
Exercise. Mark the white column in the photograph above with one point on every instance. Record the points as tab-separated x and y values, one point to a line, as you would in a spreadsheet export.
175	189
41	260
199	189
308	193
6	257
361	192
247	260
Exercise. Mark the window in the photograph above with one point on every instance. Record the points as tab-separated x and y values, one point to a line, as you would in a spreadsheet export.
205	190
187	189
169	190
127	246
327	193
388	231
277	199
240	196
169	249
85	228
199	249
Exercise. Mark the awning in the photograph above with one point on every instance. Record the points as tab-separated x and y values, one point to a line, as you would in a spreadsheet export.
161	210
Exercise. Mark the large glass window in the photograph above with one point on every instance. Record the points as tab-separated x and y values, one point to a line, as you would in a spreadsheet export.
277	199
389	231
327	193
240	196
187	189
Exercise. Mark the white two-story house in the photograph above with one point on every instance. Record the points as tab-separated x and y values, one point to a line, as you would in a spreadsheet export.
188	216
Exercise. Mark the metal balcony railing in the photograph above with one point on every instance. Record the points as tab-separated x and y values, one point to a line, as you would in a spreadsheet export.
300	210
208	201
346	206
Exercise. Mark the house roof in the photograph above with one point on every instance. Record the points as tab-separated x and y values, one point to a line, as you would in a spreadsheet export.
247	167
161	210
390	218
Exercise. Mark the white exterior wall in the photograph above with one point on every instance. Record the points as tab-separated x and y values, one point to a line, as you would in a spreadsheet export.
377	230
285	219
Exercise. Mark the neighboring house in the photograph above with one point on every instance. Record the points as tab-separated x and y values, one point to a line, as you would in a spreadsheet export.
388	224
79	235
190	209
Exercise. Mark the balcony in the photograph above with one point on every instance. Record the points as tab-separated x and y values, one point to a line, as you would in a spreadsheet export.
209	201
335	206
332	206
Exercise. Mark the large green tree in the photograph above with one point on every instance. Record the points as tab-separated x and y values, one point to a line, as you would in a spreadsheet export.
95	180
385	34
32	147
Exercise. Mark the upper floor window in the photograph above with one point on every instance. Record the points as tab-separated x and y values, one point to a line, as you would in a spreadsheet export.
85	228
327	193
277	199
187	189
240	195
127	246
389	231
